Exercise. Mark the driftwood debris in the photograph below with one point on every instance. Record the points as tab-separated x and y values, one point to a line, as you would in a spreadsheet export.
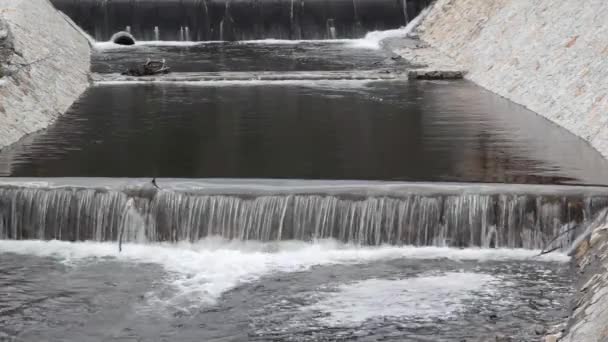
547	250
149	68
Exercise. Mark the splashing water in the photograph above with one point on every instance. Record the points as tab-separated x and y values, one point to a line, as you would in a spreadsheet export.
201	272
373	40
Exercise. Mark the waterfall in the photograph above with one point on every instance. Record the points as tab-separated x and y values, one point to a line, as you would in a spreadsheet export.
246	20
512	220
331	29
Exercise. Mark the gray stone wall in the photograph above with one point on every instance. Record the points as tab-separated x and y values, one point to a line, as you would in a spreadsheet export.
589	319
550	56
44	67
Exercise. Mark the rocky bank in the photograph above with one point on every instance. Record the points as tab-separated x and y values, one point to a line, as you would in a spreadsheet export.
44	66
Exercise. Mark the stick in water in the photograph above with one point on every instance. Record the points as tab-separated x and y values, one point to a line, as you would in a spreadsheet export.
545	251
120	238
124	222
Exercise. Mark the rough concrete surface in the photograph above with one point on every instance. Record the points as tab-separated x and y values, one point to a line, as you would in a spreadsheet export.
44	65
428	63
550	56
589	319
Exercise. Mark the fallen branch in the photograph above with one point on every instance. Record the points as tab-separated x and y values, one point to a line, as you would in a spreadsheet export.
148	69
545	251
549	251
120	238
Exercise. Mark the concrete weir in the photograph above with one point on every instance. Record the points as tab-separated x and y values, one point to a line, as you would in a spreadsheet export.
44	66
550	57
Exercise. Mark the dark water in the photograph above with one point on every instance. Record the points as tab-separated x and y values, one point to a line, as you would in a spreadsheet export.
262	56
103	299
418	131
205	20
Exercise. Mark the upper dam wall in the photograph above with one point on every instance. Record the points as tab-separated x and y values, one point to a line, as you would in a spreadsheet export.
44	66
549	56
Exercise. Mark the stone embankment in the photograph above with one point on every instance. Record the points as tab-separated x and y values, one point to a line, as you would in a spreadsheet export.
551	57
44	66
589	318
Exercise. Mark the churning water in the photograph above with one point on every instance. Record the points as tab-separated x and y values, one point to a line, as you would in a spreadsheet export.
284	260
289	291
365	256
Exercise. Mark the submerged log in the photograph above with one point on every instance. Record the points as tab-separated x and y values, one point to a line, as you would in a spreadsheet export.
148	69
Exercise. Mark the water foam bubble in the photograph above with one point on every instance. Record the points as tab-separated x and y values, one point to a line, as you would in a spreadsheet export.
423	297
201	272
373	40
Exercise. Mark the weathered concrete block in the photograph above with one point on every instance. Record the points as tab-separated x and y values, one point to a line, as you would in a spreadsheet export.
432	74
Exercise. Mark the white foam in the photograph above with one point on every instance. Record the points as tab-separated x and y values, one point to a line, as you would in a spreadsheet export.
424	297
271	41
204	270
373	40
113	46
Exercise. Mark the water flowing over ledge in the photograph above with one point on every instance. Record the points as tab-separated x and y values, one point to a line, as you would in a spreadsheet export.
253	78
367	213
204	20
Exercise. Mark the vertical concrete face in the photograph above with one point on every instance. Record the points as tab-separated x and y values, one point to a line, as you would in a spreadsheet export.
44	63
550	56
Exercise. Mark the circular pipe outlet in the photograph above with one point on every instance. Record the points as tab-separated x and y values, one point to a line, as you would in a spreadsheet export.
123	38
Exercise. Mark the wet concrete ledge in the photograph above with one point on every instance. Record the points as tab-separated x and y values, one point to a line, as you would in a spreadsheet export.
248	76
433	74
428	63
44	67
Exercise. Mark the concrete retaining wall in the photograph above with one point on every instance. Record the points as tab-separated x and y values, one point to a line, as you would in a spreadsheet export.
550	56
44	65
589	319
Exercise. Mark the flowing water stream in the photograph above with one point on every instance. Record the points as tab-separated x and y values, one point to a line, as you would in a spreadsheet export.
305	191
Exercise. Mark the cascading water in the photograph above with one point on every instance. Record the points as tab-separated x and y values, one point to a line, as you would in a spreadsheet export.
405	217
202	259
239	19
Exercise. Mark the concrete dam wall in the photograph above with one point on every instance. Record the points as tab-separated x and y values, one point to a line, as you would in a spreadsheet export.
208	20
44	66
550	56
